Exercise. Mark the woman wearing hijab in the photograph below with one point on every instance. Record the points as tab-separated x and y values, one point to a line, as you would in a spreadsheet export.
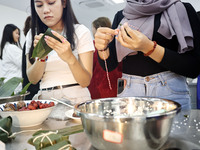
158	43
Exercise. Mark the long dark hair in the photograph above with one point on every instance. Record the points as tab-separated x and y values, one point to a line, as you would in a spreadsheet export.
68	17
27	25
8	37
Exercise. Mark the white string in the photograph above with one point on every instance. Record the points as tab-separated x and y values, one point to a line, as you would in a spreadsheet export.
65	146
4	130
15	133
109	83
45	135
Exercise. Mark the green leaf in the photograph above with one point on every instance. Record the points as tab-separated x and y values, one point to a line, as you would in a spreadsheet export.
6	124
42	49
25	88
41	141
63	144
57	139
9	87
1	81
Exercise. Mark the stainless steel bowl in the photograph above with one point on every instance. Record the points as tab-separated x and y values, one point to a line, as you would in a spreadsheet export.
13	98
130	123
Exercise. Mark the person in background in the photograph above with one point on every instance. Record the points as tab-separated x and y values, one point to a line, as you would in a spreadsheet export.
33	89
198	79
158	43
67	70
99	85
11	54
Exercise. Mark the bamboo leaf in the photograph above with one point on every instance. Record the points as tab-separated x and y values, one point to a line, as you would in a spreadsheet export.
63	144
42	49
25	88
57	137
1	81
9	87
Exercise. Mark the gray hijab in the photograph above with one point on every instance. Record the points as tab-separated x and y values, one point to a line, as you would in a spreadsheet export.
140	16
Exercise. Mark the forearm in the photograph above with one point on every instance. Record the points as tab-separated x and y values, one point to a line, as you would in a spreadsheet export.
35	71
184	64
80	73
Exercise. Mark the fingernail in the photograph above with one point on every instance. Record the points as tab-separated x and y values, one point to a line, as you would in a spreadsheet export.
46	37
53	31
126	24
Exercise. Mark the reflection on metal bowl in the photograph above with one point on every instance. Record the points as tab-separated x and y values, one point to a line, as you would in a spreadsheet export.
130	123
13	98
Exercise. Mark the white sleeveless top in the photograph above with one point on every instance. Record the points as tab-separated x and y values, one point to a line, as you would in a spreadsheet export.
57	72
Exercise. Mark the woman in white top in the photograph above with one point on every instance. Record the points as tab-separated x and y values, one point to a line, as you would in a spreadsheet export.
11	54
67	70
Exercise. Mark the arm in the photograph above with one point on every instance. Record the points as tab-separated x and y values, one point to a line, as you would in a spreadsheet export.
34	71
81	68
185	64
110	52
188	63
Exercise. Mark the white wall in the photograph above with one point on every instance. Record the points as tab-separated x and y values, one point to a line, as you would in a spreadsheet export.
85	16
14	16
195	4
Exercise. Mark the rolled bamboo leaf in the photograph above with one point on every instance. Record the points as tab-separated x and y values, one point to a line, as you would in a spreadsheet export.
57	137
65	145
46	139
42	49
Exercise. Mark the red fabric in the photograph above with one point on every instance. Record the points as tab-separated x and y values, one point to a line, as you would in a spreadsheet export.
99	87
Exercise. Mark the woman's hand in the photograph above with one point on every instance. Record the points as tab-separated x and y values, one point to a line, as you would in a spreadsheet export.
104	36
63	48
37	38
134	39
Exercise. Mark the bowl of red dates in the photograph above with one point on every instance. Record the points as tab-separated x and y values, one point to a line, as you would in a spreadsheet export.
27	113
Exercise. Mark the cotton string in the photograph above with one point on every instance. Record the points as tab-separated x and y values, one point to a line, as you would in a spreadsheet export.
4	130
65	146
45	135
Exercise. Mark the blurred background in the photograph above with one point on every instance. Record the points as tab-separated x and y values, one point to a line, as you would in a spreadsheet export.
16	11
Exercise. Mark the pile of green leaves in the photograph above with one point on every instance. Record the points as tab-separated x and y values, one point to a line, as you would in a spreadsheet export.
8	88
42	49
54	139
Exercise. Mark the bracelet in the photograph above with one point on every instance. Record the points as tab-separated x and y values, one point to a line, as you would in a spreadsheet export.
151	51
42	60
104	49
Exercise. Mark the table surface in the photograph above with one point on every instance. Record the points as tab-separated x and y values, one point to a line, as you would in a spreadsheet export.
185	133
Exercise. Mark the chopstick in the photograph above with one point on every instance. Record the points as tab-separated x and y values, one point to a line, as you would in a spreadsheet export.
59	101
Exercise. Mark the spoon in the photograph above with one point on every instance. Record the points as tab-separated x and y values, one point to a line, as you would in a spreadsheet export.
59	101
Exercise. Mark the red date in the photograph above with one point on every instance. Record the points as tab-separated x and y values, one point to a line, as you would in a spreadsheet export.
33	105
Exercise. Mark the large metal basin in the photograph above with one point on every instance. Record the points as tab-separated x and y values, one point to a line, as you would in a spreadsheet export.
131	123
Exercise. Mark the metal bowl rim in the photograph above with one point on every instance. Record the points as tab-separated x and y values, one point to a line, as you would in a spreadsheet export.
79	113
8	97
